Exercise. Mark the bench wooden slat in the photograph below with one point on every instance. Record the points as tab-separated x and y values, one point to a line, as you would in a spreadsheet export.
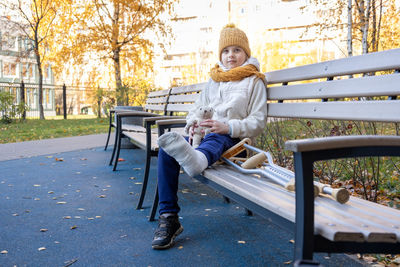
379	61
159	93
180	107
383	111
357	218
156	100
183	98
139	139
188	88
383	85
155	107
133	128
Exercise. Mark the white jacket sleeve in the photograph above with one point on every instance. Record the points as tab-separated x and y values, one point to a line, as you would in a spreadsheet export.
255	122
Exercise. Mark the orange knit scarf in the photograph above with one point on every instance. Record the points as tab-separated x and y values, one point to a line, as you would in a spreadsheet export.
235	74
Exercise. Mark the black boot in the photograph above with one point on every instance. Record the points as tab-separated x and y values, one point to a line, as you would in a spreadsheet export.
168	228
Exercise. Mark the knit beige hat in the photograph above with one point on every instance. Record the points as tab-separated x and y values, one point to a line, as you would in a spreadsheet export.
230	35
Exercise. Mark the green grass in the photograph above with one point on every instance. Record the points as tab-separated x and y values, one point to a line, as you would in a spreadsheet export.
33	129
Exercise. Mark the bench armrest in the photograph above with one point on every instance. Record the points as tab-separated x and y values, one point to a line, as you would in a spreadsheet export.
162	118
324	143
177	120
124	114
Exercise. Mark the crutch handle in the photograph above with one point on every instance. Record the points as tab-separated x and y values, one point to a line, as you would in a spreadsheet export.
254	161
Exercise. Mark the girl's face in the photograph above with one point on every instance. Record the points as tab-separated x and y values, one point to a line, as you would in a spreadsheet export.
233	56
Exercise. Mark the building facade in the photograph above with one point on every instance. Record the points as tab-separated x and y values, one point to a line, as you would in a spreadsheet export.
275	28
18	64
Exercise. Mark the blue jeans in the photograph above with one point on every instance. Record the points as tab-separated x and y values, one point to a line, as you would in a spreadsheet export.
212	146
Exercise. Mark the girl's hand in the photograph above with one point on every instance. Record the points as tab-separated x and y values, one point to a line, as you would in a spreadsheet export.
216	126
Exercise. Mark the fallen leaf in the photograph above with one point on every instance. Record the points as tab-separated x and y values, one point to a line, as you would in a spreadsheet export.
102	196
97	217
287	262
83	158
36	198
120	159
132	178
41	248
4	252
180	247
241	242
59	159
137	169
81	209
44	230
15	214
291	241
67	217
50	192
138	183
36	185
61	202
74	227
49	157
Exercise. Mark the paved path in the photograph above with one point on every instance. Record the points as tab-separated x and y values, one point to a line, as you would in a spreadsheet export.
50	146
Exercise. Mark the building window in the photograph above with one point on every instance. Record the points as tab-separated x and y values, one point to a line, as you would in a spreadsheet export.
9	69
27	70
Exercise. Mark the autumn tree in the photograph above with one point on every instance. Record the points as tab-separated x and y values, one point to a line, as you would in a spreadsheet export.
119	31
366	21
34	18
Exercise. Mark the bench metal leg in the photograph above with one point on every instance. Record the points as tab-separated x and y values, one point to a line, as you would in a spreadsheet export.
145	180
226	199
249	212
304	235
108	137
155	206
118	150
115	147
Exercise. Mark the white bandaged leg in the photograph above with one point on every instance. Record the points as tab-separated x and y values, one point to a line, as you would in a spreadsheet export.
191	160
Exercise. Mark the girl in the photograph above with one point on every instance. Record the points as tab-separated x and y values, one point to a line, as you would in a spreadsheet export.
237	93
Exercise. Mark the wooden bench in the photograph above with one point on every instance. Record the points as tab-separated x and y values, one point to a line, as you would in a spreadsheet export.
323	225
160	105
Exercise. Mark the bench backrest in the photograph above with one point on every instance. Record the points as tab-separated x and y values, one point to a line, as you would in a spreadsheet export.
175	100
325	91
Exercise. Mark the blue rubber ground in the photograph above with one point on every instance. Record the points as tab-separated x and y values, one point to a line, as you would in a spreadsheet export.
88	218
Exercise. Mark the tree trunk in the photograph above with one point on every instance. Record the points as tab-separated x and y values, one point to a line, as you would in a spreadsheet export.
118	80
365	27
349	29
39	65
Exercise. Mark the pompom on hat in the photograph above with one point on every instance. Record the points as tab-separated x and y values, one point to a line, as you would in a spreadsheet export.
230	35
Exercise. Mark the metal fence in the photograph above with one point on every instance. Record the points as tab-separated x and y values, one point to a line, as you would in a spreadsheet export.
60	99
